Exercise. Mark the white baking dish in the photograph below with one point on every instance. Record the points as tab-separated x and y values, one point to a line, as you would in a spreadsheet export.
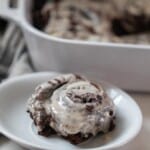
126	65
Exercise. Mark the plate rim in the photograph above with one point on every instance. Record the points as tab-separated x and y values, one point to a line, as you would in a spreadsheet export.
51	74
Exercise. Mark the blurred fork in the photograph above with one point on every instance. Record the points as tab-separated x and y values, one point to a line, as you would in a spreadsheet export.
12	44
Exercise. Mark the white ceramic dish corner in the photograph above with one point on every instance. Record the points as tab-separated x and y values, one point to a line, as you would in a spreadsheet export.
125	65
16	124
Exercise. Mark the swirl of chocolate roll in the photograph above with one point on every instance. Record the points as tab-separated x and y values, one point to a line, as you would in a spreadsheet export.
72	107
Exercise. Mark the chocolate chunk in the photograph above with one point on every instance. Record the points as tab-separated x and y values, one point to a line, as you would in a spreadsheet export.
58	81
84	100
90	100
77	138
73	29
111	113
99	98
47	131
89	108
78	76
28	111
77	96
90	29
112	125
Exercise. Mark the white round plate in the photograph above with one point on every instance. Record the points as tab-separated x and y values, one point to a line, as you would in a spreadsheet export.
16	124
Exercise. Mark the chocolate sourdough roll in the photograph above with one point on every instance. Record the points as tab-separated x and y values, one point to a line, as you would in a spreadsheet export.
133	19
72	107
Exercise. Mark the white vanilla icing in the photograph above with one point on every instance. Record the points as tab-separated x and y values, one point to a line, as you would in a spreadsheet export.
73	117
